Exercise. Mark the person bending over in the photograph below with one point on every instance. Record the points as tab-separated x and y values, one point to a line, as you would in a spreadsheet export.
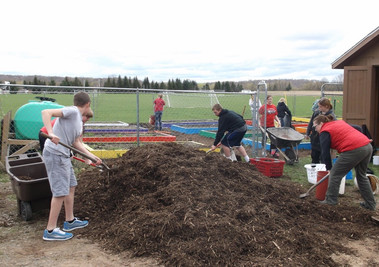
235	126
354	150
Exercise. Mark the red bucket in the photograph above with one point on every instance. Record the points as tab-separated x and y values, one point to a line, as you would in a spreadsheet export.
321	188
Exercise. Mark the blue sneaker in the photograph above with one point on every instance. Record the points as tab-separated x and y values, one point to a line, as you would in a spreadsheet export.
56	235
76	224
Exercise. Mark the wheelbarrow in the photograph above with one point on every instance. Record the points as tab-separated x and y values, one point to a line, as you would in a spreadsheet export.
30	184
288	138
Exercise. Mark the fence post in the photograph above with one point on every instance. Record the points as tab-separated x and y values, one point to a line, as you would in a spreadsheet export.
93	106
137	111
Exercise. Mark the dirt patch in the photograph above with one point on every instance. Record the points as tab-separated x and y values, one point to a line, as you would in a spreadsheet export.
185	207
174	205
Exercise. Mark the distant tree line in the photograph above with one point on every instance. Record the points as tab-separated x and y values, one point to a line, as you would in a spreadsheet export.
279	85
66	82
119	82
128	82
172	84
228	87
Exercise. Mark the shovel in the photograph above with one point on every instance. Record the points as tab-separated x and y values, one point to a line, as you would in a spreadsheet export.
314	186
78	151
210	150
82	160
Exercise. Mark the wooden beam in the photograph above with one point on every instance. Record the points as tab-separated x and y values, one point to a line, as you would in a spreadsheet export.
4	137
6	141
30	145
20	142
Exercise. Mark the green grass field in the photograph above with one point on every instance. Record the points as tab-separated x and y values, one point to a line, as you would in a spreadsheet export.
123	107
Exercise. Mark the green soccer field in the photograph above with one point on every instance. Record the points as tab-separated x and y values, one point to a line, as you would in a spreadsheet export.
123	107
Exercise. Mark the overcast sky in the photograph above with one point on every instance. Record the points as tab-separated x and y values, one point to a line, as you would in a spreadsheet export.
201	40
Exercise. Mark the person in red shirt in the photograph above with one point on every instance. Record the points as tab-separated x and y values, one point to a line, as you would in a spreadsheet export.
354	150
271	117
158	111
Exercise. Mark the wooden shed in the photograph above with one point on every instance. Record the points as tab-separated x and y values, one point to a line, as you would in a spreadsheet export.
361	83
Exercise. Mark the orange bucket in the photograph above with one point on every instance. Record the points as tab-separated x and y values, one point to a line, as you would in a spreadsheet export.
321	188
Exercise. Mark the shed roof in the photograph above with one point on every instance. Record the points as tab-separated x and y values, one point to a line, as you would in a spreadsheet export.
370	39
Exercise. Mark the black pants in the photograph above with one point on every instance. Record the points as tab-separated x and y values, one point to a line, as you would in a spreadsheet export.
316	148
316	156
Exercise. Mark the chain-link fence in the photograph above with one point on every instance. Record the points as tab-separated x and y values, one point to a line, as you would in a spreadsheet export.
124	117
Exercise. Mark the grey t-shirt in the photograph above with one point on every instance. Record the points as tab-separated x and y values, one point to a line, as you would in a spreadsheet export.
68	128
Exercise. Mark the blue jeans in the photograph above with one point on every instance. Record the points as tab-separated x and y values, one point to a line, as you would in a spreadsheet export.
158	120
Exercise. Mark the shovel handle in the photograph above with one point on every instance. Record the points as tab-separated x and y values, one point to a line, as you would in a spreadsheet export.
314	186
319	182
210	150
82	160
72	148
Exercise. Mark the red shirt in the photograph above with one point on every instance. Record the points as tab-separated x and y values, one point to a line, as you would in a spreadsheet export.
158	104
343	137
43	129
271	113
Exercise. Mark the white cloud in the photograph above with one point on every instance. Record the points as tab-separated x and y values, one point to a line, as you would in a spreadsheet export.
204	40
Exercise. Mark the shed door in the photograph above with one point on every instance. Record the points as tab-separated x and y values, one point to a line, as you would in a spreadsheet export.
358	99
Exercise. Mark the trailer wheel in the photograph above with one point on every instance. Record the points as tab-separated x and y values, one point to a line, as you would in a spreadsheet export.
25	210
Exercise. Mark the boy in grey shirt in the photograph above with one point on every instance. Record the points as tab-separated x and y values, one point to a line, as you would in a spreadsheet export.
67	129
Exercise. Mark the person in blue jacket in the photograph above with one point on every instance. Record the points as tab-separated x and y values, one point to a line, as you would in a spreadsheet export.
235	126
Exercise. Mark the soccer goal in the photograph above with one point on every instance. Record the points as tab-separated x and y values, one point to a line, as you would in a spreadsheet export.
190	100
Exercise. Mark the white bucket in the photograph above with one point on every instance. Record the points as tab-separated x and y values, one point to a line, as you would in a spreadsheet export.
312	170
376	160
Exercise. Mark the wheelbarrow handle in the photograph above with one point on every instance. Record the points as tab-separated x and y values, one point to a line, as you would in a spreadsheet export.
72	148
264	131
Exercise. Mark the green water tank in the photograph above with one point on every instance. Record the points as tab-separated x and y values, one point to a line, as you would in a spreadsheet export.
28	118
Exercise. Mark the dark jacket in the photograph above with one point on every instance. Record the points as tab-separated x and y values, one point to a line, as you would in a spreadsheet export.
282	110
311	132
228	121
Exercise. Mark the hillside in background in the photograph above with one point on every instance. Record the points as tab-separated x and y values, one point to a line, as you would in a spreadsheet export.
273	84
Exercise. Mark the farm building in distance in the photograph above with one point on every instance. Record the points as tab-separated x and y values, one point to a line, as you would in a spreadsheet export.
361	83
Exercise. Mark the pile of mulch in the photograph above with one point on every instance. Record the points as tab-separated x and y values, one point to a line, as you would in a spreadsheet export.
188	208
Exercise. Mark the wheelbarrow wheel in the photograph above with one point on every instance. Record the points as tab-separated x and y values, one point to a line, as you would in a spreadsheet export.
291	155
290	162
25	210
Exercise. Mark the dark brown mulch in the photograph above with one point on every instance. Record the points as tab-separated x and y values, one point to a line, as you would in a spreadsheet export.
25	178
189	208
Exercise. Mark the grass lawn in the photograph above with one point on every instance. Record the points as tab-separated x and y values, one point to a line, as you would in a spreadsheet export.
298	173
123	107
